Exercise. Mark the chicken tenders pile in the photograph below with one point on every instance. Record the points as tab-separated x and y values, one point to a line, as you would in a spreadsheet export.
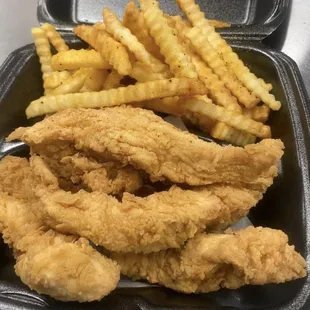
84	188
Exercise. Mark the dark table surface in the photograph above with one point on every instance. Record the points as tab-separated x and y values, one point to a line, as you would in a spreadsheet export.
19	16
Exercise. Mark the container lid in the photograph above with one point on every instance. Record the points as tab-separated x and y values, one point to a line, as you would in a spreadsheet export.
250	19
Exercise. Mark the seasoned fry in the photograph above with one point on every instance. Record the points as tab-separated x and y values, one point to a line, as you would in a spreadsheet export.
230	118
169	105
217	90
202	122
100	26
214	61
234	136
111	50
267	86
259	113
174	106
96	79
175	56
113	80
43	49
118	96
197	19
218	23
56	79
73	84
76	59
122	34
133	19
55	38
135	48
143	73
251	82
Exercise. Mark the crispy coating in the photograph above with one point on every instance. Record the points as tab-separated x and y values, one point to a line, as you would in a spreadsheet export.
16	177
159	221
126	179
86	172
64	267
140	138
238	199
209	262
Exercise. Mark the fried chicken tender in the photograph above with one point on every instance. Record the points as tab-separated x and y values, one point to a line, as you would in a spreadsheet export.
209	262
140	138
238	199
16	177
64	267
159	221
109	177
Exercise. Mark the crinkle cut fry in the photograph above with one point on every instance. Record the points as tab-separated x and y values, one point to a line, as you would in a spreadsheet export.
133	19
175	56
95	80
231	135
231	118
76	59
57	41
56	79
197	19
118	96
43	50
111	50
209	262
122	34
216	87
113	80
214	61
217	91
259	113
218	23
73	84
143	73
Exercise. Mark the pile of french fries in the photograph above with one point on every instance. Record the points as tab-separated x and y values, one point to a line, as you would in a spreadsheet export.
159	62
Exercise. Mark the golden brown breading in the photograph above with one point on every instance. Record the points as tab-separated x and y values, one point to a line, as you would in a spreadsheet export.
159	221
209	262
238	199
111	180
64	267
108	177
140	138
16	177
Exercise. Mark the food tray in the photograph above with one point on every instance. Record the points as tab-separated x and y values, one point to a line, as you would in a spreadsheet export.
285	206
249	18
